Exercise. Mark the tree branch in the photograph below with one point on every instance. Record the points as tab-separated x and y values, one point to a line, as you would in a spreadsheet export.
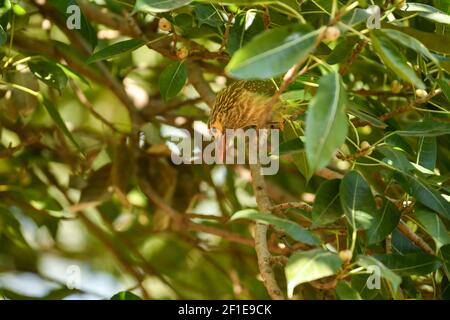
417	240
262	250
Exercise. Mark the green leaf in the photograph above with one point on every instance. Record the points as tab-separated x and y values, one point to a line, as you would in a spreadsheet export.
125	295
3	36
73	74
246	26
345	292
293	130
208	14
116	49
306	266
342	51
427	153
396	158
409	42
86	31
327	207
159	5
394	59
433	41
277	50
326	121
386	220
49	73
357	201
444	252
353	110
445	86
410	264
59	122
370	262
428	12
292	146
172	80
291	228
433	225
426	128
425	194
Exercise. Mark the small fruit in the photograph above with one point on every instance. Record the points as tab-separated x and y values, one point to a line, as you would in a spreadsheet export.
396	87
399	3
366	147
332	33
182	53
164	24
421	93
346	255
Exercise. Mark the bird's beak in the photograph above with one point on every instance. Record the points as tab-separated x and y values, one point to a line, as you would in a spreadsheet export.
220	142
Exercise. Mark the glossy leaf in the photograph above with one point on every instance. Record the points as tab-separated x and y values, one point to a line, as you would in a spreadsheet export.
172	80
85	30
326	122
306	266
386	220
327	207
159	5
409	42
425	194
125	295
445	86
116	49
410	264
59	122
3	36
246	26
434	226
49	73
427	153
427	12
396	158
357	201
291	228
291	146
394	59
369	263
426	128
345	292
444	252
277	50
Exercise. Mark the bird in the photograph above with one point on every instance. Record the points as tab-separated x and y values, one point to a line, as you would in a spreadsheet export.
243	104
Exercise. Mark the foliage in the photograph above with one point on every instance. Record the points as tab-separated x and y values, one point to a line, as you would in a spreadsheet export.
86	176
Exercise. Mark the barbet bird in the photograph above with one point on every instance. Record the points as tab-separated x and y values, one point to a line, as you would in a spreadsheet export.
244	104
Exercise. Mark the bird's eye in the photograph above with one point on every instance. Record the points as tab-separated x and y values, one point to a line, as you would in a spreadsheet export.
213	131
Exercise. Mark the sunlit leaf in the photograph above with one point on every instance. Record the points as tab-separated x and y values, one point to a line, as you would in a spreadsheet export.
394	59
327	207
159	5
357	201
291	228
116	49
306	266
172	79
277	49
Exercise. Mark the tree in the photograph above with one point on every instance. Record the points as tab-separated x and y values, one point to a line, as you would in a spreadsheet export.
93	91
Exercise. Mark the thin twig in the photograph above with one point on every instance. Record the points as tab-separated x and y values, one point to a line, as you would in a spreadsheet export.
416	239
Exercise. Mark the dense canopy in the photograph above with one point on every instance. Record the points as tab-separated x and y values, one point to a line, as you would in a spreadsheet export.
93	206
